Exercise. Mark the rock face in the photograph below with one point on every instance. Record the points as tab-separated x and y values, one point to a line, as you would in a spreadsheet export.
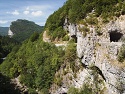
102	51
19	86
71	28
10	33
45	37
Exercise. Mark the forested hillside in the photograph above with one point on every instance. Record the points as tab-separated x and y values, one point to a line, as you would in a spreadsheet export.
6	45
4	31
35	61
77	10
23	29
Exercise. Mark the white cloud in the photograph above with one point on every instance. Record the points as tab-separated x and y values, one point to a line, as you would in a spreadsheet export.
26	12
3	22
27	8
38	7
15	12
37	13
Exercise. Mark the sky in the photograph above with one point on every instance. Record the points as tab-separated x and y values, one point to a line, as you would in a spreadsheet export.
32	10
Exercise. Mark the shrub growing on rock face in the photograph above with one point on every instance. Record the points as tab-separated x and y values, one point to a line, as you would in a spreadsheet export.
65	38
98	31
84	30
121	54
84	90
73	90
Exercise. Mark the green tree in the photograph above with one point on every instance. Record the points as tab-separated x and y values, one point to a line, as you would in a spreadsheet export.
121	54
34	36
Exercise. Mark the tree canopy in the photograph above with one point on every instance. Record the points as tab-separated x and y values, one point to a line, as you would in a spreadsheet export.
35	61
76	10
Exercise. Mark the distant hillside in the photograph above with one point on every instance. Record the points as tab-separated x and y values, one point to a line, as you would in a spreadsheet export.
4	31
23	29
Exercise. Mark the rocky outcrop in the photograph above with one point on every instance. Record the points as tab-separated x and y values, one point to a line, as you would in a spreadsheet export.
101	52
46	38
18	85
72	28
10	33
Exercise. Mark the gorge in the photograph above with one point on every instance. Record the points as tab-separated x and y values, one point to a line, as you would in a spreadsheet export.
80	51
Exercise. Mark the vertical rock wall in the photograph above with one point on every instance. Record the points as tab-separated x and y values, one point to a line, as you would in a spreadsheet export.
102	52
99	51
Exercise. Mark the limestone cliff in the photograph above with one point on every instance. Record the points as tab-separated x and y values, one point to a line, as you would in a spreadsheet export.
10	33
100	51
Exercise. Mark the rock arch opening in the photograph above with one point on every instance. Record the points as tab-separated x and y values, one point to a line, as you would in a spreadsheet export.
115	36
75	38
96	69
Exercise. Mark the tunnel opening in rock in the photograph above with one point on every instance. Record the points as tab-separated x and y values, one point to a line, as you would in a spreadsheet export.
115	36
75	38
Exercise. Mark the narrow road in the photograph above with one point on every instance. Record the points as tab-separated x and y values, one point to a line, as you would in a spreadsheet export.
46	37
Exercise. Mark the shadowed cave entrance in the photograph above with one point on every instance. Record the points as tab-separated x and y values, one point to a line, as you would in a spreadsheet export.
75	38
115	36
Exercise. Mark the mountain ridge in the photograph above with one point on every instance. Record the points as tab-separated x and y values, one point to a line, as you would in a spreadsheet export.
22	29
